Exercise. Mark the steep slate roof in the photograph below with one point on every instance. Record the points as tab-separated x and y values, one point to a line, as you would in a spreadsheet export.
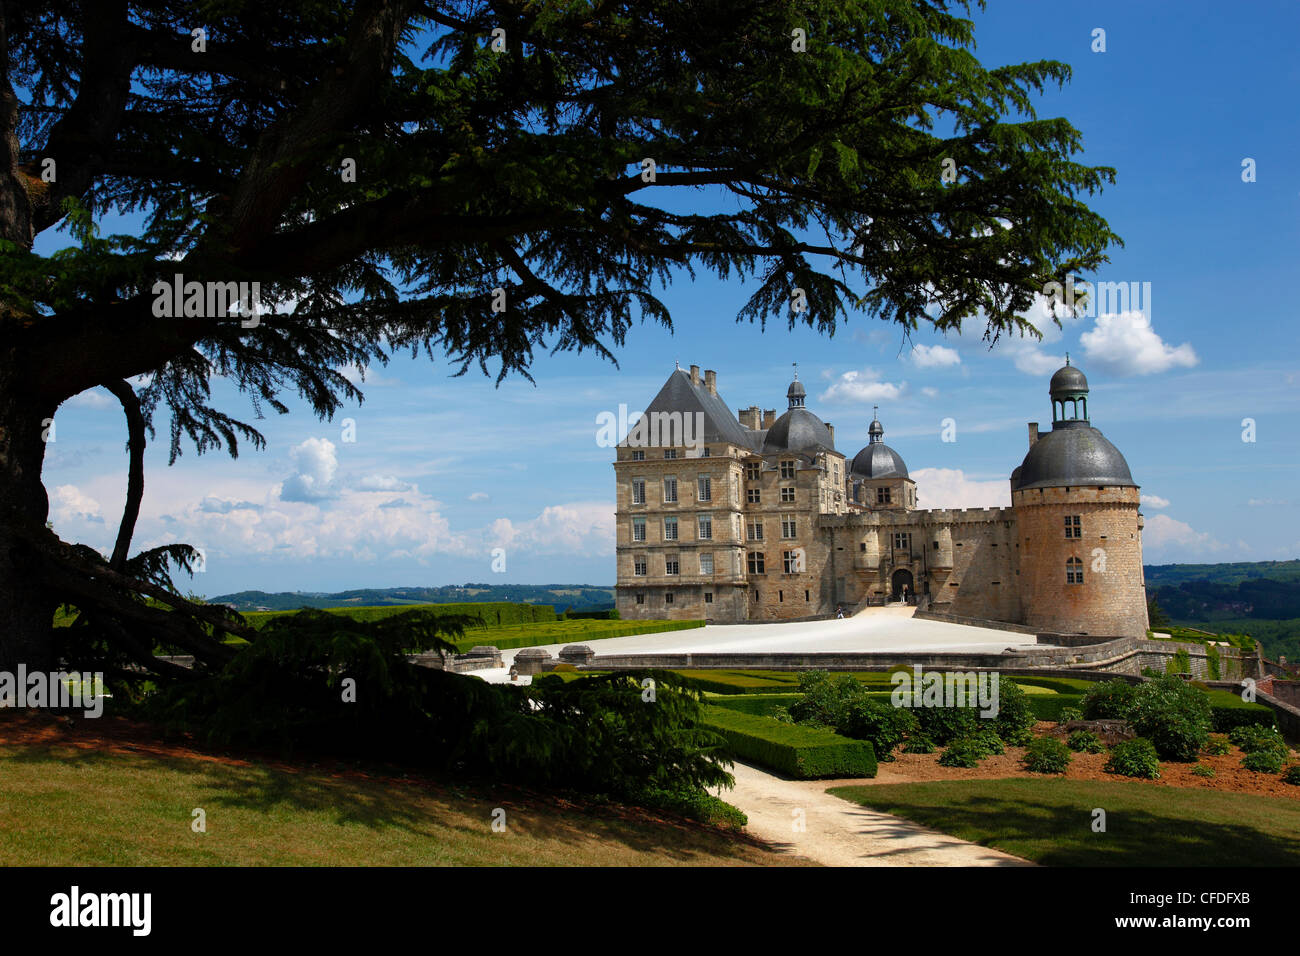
720	425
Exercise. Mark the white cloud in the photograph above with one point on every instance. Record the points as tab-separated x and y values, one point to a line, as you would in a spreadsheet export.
317	464
581	528
950	488
1125	344
929	392
934	356
1163	533
1155	501
479	496
71	504
855	387
93	398
1267	502
383	483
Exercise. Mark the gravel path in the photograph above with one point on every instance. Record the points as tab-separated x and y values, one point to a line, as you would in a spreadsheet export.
840	833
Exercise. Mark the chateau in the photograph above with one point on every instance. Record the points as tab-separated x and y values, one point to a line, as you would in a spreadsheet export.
743	517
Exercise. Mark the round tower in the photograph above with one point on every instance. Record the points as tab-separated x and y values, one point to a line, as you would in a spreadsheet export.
1080	532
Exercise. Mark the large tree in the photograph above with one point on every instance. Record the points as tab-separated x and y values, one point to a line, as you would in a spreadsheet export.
398	170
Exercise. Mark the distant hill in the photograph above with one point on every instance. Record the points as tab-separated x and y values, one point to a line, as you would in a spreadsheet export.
578	597
1259	598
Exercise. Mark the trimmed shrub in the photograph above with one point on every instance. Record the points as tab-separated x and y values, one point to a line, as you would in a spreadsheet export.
1264	761
1085	741
1134	758
918	744
1217	746
1056	707
1109	700
1174	716
1202	770
1230	711
879	723
1292	776
1047	755
1015	720
946	724
693	805
962	752
794	750
1069	714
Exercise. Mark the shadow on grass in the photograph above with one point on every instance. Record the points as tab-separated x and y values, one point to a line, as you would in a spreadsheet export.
1054	827
455	808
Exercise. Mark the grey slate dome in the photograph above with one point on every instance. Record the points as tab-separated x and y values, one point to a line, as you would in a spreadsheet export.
796	393
1072	453
878	460
798	430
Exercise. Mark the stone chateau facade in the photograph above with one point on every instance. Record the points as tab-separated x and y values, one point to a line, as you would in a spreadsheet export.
750	516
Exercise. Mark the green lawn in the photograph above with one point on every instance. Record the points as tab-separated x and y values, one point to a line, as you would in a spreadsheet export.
1050	821
65	806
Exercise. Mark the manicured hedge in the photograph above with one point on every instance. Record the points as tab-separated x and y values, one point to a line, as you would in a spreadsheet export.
806	753
564	632
1228	710
759	705
1049	706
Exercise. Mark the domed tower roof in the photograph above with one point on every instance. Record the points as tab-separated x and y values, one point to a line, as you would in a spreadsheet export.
1073	452
878	460
798	430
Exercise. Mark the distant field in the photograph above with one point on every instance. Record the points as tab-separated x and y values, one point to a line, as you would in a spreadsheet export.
1050	821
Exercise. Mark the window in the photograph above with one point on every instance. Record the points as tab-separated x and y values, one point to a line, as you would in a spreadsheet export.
756	531
670	452
753	495
638	491
706	527
902	541
638	529
670	489
751	470
706	563
936	546
1072	527
787	495
787	469
805	595
756	564
787	526
668	597
670	529
1073	571
792	561
708	597
704	488
672	566
882	496
639	566
780	596
640	599
704	452
638	456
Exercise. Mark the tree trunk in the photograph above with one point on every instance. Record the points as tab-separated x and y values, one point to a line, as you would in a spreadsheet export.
26	604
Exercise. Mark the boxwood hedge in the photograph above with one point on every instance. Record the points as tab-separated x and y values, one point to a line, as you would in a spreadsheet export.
802	752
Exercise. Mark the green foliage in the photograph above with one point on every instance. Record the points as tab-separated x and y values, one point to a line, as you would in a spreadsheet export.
1047	755
1264	761
761	705
918	743
961	752
1085	741
1217	746
984	742
1230	711
1134	758
791	749
1180	663
946	724
1156	615
693	805
844	705
597	735
1292	775
1252	738
1173	715
1015	720
1203	770
488	614
1109	700
1069	714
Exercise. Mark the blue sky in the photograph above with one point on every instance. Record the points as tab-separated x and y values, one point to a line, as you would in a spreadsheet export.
442	470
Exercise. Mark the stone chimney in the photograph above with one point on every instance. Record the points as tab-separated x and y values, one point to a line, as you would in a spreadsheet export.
711	381
831	428
695	375
749	417
769	417
1033	433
